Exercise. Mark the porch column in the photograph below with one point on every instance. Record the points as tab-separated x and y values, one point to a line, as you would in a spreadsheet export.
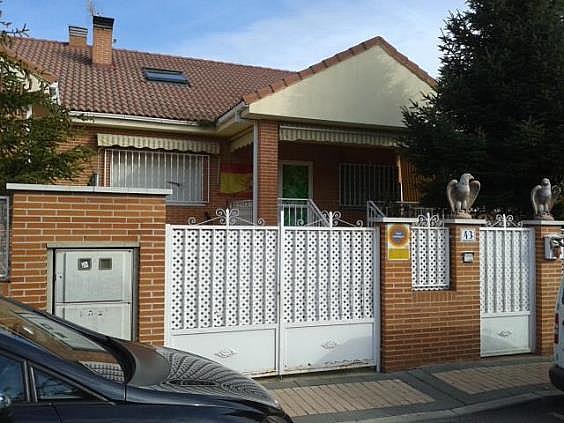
547	282
265	192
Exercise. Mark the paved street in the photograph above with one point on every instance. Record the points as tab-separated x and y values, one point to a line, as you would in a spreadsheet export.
449	392
546	410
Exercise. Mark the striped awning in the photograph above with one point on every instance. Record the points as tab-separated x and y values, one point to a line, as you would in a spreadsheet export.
195	146
321	134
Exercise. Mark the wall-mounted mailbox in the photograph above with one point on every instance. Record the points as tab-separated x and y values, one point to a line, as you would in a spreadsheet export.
554	246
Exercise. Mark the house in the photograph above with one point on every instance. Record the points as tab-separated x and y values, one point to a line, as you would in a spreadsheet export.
223	135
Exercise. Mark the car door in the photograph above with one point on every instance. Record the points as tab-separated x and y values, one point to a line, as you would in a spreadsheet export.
14	386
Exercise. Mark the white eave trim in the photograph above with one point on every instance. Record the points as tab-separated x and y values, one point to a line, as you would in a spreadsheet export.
140	122
87	189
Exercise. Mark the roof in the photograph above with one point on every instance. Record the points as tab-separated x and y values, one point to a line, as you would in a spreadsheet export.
295	77
214	87
121	88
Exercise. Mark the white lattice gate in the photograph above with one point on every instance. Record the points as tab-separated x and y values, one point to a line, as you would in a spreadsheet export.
507	277
328	298
273	300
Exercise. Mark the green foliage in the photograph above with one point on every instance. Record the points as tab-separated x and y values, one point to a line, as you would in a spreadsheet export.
32	147
498	108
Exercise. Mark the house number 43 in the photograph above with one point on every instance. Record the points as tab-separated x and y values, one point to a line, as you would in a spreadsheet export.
468	235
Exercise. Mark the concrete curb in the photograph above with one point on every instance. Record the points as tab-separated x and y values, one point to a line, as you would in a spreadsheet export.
461	411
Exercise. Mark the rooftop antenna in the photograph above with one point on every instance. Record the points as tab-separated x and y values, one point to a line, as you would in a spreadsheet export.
91	7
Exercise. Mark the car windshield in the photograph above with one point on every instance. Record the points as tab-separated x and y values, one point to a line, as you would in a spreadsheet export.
59	340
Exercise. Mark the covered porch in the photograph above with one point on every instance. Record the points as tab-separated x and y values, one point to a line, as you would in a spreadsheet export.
307	169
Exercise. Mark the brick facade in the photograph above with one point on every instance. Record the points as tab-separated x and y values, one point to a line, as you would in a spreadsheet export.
41	218
548	274
427	327
267	178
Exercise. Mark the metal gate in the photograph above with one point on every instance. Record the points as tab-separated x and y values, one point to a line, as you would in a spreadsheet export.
507	278
271	299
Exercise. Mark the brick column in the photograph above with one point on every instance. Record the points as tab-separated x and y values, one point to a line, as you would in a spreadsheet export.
424	327
78	217
548	273
267	168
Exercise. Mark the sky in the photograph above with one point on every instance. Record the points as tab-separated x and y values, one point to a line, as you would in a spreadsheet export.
284	34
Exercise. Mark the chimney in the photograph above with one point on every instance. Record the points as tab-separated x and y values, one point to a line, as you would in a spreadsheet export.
77	36
102	40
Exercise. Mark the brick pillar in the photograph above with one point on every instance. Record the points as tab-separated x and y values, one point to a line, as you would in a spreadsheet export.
548	273
424	327
267	168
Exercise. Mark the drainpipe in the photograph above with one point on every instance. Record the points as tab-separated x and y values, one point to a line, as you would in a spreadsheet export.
255	172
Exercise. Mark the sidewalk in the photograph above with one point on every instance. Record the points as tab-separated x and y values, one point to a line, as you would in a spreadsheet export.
421	394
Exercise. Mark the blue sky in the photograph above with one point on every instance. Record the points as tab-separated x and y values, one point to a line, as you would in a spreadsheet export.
287	34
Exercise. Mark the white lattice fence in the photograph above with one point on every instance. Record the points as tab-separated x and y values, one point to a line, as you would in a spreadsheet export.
327	297
224	280
430	254
267	300
507	275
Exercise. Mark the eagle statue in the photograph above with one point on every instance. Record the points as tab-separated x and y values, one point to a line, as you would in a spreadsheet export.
542	199
462	194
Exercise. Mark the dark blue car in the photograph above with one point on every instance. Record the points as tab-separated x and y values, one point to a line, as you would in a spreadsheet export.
53	371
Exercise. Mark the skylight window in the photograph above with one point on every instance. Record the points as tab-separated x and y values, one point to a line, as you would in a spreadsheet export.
164	75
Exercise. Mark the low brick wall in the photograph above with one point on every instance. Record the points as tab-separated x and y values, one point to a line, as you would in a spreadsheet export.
77	219
424	327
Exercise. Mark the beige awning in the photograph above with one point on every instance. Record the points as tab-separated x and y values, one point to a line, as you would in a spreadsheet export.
242	141
112	140
337	136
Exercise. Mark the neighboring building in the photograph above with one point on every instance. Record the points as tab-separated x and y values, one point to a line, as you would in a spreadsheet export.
322	138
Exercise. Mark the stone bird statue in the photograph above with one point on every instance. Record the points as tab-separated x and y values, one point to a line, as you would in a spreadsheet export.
462	194
542	199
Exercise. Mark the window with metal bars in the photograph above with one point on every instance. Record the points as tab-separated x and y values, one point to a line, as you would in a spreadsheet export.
186	174
360	182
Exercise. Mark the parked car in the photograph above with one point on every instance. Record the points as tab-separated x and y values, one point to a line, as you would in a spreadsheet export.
54	371
556	372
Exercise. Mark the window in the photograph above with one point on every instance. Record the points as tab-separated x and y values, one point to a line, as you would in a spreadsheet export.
11	379
362	182
186	174
165	75
50	388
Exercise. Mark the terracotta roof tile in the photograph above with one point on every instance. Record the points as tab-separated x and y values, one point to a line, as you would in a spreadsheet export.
121	88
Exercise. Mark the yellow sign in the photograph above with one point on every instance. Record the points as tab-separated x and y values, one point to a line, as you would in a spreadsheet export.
397	237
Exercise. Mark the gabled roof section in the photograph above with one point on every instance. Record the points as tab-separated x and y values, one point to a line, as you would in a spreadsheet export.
122	89
338	58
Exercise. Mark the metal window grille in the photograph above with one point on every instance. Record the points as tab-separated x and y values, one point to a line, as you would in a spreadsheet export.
186	174
4	237
359	183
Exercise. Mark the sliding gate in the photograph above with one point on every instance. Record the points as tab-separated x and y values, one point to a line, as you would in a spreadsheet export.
273	300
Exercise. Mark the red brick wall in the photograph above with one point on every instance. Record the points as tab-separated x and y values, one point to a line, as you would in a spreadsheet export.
51	217
423	327
548	273
102	46
267	207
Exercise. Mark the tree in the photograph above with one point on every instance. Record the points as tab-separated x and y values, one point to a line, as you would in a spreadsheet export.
32	146
498	107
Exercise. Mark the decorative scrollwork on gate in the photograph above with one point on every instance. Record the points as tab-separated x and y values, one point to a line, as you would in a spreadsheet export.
226	217
429	221
334	218
504	221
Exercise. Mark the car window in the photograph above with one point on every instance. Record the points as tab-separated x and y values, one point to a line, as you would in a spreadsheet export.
60	340
51	388
11	379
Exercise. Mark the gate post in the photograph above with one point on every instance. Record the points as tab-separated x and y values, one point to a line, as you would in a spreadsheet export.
548	273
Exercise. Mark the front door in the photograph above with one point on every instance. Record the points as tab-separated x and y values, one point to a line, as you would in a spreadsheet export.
295	191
